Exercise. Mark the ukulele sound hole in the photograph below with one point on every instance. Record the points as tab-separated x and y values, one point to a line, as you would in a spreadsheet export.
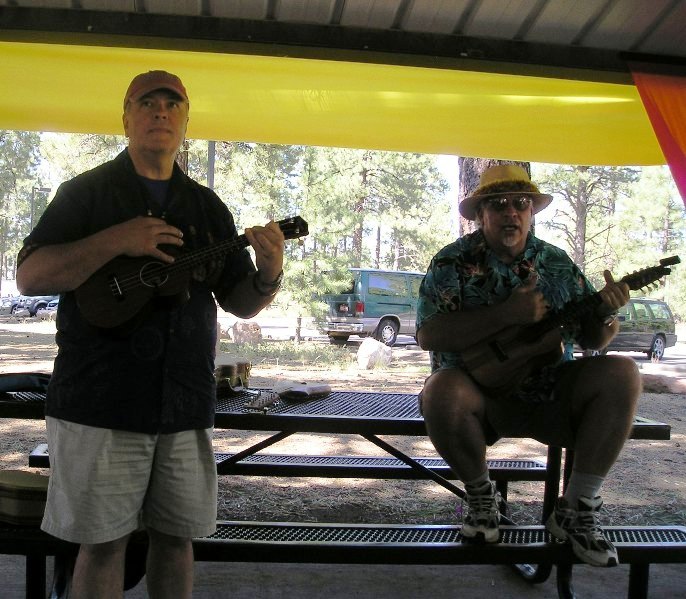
153	275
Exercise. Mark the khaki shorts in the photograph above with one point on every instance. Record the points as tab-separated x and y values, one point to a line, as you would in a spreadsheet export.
105	484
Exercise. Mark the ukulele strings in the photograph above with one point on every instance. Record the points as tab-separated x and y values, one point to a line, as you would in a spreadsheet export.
120	285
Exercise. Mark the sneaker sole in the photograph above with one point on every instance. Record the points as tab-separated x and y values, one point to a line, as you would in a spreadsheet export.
479	536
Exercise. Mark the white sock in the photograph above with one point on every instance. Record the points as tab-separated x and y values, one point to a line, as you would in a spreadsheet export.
582	484
481	485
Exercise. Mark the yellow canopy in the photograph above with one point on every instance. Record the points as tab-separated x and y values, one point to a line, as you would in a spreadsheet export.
71	88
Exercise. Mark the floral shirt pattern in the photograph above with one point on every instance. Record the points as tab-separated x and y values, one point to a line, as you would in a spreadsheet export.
467	273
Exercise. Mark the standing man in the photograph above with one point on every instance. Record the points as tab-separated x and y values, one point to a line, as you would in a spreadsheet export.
129	415
492	280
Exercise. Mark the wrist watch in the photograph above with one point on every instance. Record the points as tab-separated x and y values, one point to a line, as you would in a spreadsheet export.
266	289
608	319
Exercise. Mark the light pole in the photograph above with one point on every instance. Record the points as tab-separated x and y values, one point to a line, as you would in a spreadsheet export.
33	200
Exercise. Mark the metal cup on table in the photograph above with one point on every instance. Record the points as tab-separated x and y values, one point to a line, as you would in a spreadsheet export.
232	377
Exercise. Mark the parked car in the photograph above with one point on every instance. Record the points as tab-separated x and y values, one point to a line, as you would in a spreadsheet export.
380	303
33	303
48	312
8	304
645	325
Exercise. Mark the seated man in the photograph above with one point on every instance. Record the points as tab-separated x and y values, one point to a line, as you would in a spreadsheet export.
497	280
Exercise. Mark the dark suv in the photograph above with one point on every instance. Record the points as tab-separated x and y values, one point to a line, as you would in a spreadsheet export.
645	325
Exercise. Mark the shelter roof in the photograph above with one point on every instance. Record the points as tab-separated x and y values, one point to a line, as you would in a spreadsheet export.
542	80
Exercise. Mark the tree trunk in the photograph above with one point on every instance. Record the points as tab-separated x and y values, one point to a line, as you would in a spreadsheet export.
360	203
377	257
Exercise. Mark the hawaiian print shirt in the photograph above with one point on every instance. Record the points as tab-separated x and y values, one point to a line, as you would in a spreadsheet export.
467	273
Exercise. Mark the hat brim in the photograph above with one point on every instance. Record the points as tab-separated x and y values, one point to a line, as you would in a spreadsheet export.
147	90
469	205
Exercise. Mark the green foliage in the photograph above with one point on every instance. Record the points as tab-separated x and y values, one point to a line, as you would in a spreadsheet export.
652	221
19	175
618	219
70	154
363	208
583	210
371	209
307	354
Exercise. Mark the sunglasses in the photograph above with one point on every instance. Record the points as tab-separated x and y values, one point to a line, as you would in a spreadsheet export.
501	203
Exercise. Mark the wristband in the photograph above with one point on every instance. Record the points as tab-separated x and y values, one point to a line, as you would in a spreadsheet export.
607	319
266	289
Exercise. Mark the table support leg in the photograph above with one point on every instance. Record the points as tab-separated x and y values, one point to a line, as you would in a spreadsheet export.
35	576
396	453
552	481
437	478
225	465
565	588
537	573
639	575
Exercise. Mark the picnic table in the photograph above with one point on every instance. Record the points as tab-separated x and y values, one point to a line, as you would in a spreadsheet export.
370	415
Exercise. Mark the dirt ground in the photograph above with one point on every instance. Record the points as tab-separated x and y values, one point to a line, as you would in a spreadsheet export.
646	486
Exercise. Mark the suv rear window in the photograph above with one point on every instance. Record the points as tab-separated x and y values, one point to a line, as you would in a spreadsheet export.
659	310
641	311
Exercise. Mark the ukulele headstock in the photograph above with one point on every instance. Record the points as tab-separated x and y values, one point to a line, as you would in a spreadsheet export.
293	227
647	276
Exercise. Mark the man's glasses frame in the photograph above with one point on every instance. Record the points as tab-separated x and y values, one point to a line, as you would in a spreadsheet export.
500	203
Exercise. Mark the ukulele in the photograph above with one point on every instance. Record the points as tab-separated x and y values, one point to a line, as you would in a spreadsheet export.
503	360
124	287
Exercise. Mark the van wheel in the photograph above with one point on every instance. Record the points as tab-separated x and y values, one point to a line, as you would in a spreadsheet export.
338	339
657	349
387	332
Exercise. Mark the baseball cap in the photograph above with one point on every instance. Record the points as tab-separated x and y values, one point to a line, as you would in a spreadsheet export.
148	82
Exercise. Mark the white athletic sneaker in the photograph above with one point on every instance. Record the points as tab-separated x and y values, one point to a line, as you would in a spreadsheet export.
580	527
480	517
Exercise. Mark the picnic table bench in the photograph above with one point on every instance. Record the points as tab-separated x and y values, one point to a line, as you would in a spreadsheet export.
370	415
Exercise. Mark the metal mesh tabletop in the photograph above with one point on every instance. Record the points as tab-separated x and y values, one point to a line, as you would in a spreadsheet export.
352	412
338	412
350	404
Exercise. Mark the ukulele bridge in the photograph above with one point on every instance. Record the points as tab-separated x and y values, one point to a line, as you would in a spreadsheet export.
115	287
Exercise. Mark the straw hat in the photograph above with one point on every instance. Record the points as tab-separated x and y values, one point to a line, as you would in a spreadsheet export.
500	179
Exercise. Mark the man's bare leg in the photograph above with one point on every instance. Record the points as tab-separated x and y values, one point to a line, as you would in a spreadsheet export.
453	410
99	571
169	570
605	394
